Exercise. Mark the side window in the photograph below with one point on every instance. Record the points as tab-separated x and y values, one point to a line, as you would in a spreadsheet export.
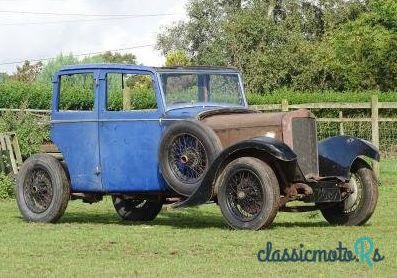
127	92
77	92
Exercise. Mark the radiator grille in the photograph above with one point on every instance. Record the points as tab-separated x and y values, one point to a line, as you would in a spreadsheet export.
304	136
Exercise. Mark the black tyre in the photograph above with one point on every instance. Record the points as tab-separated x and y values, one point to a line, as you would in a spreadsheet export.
42	189
186	152
138	209
360	205
248	194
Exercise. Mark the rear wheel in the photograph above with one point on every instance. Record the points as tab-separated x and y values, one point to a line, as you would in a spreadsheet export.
137	209
248	194
42	189
360	205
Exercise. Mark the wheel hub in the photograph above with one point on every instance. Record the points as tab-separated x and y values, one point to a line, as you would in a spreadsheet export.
187	157
354	197
241	195
38	191
245	196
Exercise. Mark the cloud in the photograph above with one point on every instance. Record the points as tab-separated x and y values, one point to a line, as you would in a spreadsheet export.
45	39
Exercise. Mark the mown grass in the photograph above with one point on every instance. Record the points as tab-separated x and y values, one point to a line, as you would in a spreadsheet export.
91	241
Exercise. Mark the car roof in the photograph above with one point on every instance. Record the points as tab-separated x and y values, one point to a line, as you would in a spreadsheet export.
140	67
105	66
196	68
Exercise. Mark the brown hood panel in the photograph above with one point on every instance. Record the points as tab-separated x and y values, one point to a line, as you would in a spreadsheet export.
235	127
232	128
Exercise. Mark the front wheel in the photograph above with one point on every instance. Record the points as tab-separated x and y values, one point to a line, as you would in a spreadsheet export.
248	194
42	189
360	205
137	209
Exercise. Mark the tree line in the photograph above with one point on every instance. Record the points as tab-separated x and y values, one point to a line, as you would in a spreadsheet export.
302	45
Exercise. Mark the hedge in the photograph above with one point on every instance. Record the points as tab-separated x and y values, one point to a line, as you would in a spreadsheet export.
14	94
6	186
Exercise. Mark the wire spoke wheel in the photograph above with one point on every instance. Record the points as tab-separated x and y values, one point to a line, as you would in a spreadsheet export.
245	195
137	208
38	190
358	207
248	194
186	152
187	158
42	189
352	202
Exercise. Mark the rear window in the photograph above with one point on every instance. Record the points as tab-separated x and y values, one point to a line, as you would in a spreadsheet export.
77	92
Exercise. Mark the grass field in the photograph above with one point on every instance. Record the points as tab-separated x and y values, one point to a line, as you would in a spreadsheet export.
91	241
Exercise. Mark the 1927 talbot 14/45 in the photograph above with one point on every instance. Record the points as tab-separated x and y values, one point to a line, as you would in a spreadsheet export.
197	143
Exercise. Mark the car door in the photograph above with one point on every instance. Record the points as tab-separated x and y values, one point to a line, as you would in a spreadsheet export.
129	131
74	127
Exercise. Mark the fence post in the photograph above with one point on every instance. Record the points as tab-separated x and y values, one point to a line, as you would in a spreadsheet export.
341	127
126	99
284	105
375	128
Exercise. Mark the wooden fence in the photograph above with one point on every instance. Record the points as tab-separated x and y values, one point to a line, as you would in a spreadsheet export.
374	105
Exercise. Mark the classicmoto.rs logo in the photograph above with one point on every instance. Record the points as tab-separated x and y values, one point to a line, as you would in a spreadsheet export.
364	251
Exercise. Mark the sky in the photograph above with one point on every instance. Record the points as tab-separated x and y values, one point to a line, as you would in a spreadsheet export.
32	29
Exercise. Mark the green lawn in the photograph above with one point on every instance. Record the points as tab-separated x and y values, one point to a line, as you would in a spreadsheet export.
90	240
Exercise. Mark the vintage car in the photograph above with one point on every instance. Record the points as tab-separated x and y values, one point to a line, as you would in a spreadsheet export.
185	136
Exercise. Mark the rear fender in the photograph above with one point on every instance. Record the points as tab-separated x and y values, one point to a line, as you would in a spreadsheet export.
277	154
337	154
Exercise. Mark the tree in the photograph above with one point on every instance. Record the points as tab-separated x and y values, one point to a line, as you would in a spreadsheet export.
361	54
3	76
55	64
28	72
61	60
110	57
309	45
201	37
177	58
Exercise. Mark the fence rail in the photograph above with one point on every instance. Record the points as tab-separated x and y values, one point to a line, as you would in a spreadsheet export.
374	105
374	120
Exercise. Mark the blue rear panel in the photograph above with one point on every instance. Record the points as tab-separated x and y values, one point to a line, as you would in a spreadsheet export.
78	143
75	133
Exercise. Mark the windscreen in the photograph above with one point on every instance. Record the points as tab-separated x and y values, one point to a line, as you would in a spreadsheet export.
202	89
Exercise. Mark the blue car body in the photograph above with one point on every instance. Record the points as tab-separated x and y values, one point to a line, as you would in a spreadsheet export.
114	151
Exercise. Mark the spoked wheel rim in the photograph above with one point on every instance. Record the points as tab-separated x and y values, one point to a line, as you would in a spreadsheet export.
136	203
38	190
244	195
352	202
187	158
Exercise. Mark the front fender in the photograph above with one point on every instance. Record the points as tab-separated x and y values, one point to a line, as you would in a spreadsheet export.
337	154
261	147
